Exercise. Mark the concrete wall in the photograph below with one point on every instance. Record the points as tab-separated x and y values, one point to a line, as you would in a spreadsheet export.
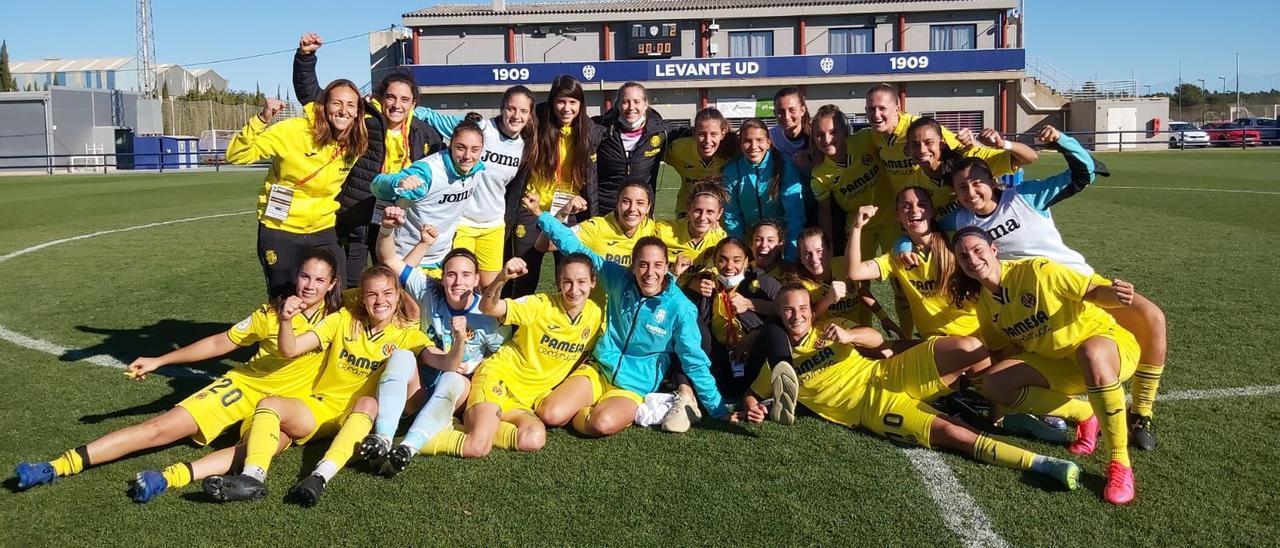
1094	116
24	129
784	33
552	47
462	45
986	23
817	29
76	112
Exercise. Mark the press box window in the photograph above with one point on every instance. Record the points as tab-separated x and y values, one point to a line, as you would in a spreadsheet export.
751	43
852	40
945	37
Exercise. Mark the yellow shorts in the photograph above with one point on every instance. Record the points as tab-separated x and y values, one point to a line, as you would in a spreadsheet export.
1064	374
601	388
492	383
221	404
329	414
914	373
486	243
896	403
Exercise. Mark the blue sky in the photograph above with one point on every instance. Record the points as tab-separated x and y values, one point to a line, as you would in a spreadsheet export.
1085	38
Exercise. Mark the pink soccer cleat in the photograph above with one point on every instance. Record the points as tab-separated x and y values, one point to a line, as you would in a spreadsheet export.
1086	437
1120	487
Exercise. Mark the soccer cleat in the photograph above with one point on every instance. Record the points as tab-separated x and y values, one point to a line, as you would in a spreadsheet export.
147	485
1086	437
1029	425
1120	487
1140	432
234	488
1065	471
31	474
684	412
397	460
373	448
306	493
786	385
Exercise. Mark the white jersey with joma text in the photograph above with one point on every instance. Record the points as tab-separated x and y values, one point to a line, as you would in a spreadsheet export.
502	156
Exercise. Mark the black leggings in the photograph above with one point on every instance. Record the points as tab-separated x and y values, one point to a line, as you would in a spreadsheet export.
279	253
522	234
772	346
358	239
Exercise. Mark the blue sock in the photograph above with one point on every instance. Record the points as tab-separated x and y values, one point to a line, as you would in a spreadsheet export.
438	412
393	390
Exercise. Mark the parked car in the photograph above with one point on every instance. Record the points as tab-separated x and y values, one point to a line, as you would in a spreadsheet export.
1229	134
1186	135
1267	128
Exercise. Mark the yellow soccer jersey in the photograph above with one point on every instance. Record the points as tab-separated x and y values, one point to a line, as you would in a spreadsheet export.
354	357
833	377
1040	307
604	236
548	343
268	371
676	235
548	187
852	182
930	306
846	308
892	150
941	194
682	155
313	174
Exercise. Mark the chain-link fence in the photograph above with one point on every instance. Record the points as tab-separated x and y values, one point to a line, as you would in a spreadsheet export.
193	117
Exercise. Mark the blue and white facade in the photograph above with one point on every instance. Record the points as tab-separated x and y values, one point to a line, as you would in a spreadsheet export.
958	59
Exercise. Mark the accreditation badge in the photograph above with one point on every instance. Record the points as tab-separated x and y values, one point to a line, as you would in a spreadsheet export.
279	199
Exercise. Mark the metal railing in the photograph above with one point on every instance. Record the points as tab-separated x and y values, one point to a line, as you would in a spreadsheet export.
137	161
1063	84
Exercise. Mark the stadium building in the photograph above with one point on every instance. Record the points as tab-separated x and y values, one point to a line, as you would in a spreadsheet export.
959	60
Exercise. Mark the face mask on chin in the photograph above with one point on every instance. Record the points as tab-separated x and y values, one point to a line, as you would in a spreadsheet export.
732	281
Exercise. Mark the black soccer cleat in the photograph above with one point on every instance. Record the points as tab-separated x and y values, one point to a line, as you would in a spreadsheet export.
234	488
397	461
1141	434
306	493
373	448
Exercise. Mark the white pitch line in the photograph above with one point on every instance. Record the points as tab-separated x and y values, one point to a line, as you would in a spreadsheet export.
34	248
1226	190
959	511
47	347
1219	393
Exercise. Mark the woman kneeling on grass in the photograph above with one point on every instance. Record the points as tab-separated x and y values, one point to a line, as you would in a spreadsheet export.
228	400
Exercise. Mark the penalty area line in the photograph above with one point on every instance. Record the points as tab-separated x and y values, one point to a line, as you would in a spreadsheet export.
961	514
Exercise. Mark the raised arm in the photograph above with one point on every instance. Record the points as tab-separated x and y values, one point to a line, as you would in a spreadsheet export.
444	123
491	301
305	85
411	183
292	346
255	141
860	270
1080	172
1020	155
559	234
451	360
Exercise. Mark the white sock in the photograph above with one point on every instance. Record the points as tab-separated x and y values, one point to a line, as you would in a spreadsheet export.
255	472
326	469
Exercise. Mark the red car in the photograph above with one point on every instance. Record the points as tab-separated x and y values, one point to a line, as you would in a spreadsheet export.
1228	134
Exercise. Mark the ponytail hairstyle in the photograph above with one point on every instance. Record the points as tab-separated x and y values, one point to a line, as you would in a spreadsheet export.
545	156
576	258
355	139
805	121
838	120
939	247
886	89
617	98
775	177
961	288
729	143
332	299
406	312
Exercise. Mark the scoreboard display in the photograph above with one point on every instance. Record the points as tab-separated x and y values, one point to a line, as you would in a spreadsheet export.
653	39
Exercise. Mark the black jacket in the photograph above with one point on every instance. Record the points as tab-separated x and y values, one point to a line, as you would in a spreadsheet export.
615	167
516	213
423	139
755	284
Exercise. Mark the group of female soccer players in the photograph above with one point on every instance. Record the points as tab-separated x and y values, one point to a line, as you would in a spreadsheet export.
757	291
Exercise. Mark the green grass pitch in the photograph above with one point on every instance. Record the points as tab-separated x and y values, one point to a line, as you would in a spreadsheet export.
1206	255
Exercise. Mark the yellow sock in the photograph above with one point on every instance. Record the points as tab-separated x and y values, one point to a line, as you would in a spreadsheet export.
1108	404
1042	401
506	438
263	439
993	451
71	461
580	420
448	442
1146	380
178	475
356	427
